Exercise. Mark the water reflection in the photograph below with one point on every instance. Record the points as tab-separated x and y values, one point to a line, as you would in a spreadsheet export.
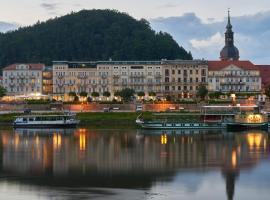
133	159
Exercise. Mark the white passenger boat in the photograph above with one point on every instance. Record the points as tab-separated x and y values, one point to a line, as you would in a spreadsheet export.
45	121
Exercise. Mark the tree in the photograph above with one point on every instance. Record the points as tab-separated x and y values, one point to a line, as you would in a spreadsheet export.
106	94
72	94
95	94
141	94
215	95
83	94
117	94
3	92
103	34
202	92
152	94
267	91
126	94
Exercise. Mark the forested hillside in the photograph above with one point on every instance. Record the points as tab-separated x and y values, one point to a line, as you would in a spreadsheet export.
88	35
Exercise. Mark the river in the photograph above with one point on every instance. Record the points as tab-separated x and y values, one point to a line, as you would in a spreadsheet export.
133	164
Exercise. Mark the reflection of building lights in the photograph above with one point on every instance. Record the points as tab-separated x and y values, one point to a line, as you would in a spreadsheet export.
82	141
163	139
37	140
16	140
234	158
57	141
254	140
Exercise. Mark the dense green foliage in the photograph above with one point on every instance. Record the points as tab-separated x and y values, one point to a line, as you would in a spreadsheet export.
2	91
88	35
126	94
106	94
202	92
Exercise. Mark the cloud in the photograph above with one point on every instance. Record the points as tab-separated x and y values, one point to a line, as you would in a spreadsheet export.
205	40
213	41
5	26
50	7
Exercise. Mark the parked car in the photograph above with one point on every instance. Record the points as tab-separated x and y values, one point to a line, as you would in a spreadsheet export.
27	111
139	108
106	109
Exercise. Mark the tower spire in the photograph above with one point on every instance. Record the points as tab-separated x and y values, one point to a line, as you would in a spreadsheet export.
229	25
229	51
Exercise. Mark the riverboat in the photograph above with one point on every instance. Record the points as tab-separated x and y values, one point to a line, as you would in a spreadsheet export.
213	117
46	121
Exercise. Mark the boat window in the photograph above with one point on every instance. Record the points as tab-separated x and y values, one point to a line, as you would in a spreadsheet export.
24	119
31	119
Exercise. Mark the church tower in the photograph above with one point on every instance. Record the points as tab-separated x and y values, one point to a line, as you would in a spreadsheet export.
229	51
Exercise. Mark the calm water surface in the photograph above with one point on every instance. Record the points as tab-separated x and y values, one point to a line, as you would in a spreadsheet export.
133	164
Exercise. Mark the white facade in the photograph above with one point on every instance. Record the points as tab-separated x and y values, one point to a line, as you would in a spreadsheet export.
107	76
234	79
23	79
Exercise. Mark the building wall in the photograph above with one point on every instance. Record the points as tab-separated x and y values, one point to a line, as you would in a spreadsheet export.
177	78
22	80
182	78
233	78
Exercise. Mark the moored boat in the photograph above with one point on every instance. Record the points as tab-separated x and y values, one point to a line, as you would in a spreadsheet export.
46	121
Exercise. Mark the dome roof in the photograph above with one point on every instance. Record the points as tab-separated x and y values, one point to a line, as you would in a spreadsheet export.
229	53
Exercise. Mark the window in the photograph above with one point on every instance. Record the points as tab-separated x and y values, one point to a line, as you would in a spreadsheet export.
167	73
173	71
179	88
179	80
179	71
167	79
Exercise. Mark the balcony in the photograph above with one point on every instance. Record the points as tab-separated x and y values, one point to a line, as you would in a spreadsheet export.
60	76
103	76
136	76
82	76
232	83
11	84
116	76
158	76
11	76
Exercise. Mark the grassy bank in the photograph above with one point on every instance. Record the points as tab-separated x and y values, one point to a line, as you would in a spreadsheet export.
108	120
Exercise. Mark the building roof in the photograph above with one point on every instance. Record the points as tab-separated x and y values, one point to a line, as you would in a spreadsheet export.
32	66
265	74
220	64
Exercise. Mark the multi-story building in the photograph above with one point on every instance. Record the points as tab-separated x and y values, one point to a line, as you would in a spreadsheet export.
181	79
233	76
75	77
230	74
1	81
23	79
105	76
47	81
138	75
176	78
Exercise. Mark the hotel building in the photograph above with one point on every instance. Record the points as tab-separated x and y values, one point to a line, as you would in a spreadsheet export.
23	79
176	78
233	76
182	78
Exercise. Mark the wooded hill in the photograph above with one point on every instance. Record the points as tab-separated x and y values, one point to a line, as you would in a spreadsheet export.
88	35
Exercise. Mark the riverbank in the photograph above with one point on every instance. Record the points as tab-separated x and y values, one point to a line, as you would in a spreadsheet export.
112	119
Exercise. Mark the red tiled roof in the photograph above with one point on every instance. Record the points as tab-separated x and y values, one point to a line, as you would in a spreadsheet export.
220	64
32	66
265	74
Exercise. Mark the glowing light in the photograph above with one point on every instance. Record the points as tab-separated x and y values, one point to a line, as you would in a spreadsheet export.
163	139
254	118
234	158
57	141
82	139
254	140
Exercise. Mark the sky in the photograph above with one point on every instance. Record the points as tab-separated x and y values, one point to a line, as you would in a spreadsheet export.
197	25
